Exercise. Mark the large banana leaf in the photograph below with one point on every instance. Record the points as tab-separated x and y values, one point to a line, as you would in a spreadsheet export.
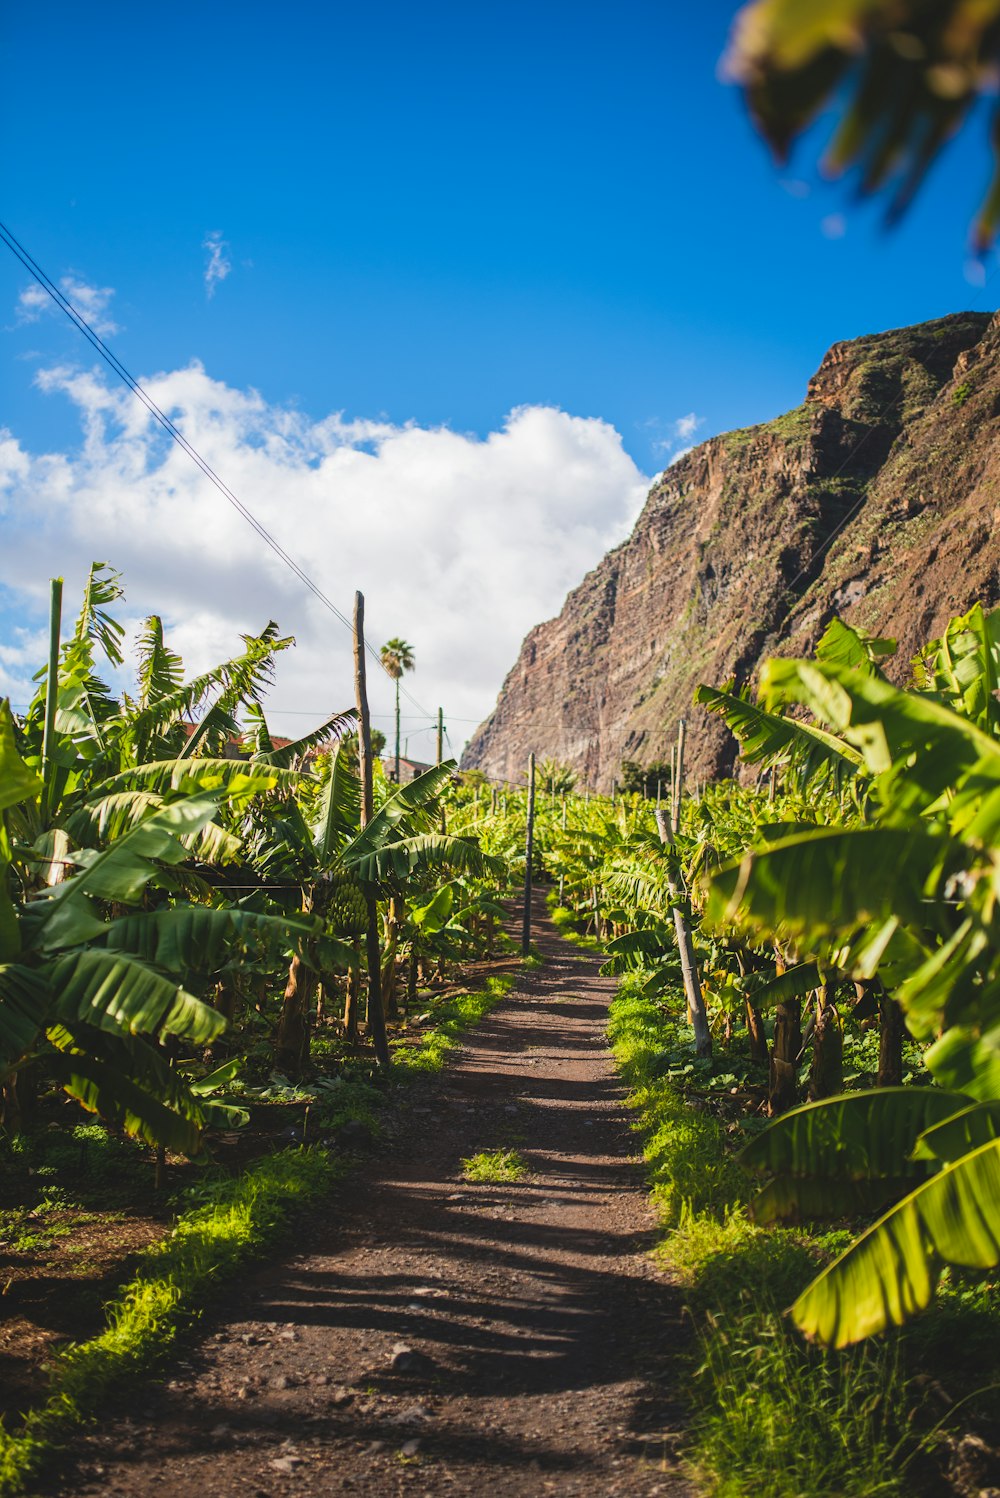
401	806
17	782
25	1006
236	778
847	645
130	1090
830	882
116	992
963	1132
768	737
638	949
198	938
333	728
404	857
793	1199
968	1059
339	809
891	1271
859	1136
888	726
122	871
964	665
794	983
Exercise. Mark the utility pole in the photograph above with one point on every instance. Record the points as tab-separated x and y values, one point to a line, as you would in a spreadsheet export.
376	1018
529	840
440	743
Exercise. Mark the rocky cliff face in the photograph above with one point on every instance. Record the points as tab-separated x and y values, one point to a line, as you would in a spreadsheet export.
878	499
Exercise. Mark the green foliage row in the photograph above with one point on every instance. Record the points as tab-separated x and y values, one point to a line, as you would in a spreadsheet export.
770	1416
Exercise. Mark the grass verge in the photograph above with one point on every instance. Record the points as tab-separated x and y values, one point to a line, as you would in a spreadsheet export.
772	1416
242	1218
452	1018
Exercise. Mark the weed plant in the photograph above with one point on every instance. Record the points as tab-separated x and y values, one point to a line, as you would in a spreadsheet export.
504	1165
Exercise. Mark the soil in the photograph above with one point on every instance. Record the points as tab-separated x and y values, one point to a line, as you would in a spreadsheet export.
433	1335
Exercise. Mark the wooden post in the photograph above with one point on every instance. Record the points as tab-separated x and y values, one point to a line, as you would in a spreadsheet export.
440	739
679	774
51	691
659	788
529	839
564	811
376	1018
685	947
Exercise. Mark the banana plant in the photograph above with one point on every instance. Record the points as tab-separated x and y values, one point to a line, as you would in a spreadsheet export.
907	895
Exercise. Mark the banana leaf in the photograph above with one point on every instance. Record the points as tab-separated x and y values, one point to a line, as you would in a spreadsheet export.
891	1272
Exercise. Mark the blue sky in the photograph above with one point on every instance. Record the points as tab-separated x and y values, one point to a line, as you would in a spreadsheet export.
435	215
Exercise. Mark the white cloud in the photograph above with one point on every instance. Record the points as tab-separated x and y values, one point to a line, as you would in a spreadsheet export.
686	426
90	301
219	264
459	543
679	430
681	452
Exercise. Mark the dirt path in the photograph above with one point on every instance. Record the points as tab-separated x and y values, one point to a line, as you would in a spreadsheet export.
434	1336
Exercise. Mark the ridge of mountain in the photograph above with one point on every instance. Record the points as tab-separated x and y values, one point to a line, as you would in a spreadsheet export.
877	499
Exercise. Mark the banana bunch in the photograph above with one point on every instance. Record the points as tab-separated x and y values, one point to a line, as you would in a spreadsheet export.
347	908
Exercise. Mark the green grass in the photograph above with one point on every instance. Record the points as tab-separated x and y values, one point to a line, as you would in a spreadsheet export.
208	1245
452	1018
770	1416
495	1165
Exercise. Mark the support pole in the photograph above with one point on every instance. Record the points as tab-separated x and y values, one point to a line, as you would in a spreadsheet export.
529	840
376	1017
679	774
440	742
685	947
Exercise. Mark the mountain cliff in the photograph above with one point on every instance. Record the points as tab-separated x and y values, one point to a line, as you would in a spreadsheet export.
877	499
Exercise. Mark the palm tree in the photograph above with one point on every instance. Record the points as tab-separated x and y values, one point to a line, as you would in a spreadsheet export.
397	657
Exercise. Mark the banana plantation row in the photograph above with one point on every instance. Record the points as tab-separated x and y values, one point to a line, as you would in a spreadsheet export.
188	912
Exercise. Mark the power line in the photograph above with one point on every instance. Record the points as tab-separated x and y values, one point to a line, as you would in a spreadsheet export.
111	359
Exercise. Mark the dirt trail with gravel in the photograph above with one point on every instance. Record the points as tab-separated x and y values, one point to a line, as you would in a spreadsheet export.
436	1336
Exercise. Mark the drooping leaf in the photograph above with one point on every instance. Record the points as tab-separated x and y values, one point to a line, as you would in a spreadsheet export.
25	1007
116	992
17	782
114	1089
891	1271
829	882
964	1131
859	1136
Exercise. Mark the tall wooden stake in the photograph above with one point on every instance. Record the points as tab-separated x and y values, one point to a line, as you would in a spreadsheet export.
376	1017
685	947
679	774
529	840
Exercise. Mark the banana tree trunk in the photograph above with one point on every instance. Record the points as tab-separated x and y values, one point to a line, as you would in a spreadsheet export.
393	920
783	1080
891	1029
351	993
291	1044
826	1076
